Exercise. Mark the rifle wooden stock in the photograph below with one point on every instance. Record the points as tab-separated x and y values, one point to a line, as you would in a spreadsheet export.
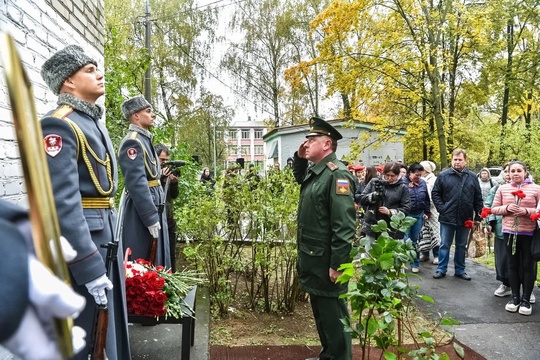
100	340
153	251
45	228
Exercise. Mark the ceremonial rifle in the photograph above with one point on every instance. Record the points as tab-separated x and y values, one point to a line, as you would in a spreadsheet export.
45	227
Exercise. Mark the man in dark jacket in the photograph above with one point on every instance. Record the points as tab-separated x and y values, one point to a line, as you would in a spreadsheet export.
458	198
326	229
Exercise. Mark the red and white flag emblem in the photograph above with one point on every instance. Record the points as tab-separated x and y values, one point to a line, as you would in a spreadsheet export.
131	153
53	144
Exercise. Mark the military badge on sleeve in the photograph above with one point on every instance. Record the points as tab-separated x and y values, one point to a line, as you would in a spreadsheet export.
343	187
132	153
53	144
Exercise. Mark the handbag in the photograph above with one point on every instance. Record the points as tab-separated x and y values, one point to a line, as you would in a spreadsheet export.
535	245
477	243
426	240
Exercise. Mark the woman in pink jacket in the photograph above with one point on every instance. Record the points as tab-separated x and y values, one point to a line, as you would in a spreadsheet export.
516	201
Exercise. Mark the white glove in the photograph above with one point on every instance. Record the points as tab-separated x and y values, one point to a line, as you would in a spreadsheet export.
154	230
97	288
50	297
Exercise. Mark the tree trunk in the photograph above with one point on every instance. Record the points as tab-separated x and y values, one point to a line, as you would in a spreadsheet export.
346	106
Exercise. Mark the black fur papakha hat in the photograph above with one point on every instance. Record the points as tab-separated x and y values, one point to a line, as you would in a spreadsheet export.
131	106
62	65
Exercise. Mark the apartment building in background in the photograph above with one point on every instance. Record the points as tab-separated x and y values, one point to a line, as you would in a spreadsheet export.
245	141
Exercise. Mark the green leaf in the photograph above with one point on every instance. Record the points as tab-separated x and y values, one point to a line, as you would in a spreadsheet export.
386	261
390	355
459	350
449	321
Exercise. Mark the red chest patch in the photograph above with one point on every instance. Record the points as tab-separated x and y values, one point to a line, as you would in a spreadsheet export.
132	153
53	144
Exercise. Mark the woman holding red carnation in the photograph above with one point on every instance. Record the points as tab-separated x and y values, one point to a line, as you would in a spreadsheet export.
516	202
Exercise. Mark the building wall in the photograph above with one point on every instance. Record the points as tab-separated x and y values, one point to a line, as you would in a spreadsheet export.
40	28
236	143
289	140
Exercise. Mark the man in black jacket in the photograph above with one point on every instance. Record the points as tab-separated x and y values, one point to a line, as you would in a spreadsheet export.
458	198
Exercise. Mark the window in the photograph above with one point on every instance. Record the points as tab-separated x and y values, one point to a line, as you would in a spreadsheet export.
259	150
232	133
245	150
258	134
232	150
245	134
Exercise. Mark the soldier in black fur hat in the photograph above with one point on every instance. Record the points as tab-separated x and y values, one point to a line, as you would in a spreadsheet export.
143	200
83	174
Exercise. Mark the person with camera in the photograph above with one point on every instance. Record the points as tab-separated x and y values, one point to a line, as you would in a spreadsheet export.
326	230
382	199
170	173
144	222
83	174
457	197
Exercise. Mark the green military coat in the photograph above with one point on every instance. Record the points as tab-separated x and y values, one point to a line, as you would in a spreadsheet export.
326	223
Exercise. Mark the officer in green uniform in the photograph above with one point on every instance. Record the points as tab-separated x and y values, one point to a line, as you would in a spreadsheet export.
326	229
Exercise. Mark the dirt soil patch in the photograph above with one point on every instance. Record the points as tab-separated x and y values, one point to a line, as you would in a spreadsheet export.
254	336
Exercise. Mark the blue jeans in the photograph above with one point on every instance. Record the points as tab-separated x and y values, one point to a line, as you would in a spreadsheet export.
448	232
414	232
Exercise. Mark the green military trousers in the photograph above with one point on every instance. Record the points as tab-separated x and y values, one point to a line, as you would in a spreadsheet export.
328	312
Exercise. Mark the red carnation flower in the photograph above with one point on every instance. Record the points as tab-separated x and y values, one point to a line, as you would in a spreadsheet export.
518	193
485	212
535	216
469	224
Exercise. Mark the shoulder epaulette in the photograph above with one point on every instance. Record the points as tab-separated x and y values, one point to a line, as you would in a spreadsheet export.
62	112
133	135
332	166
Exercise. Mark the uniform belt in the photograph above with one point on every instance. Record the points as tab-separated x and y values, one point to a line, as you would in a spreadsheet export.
98	203
153	183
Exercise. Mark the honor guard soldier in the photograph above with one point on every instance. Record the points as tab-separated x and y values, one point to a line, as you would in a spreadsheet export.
144	220
326	229
83	174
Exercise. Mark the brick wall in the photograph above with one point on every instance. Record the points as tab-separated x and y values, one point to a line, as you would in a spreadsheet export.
40	28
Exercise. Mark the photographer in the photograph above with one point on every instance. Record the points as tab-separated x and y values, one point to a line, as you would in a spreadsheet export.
384	198
168	172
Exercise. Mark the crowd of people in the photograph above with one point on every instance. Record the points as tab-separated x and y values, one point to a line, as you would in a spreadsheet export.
453	205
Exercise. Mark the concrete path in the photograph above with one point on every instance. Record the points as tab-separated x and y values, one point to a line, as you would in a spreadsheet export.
484	324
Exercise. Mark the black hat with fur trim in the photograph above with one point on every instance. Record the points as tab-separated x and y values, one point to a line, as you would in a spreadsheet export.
320	127
62	65
133	105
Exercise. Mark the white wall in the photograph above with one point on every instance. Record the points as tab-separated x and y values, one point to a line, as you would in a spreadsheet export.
39	30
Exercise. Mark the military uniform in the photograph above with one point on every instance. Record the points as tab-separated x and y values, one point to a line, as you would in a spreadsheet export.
14	268
83	174
143	199
326	229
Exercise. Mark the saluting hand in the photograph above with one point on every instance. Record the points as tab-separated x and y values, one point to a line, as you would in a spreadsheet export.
302	150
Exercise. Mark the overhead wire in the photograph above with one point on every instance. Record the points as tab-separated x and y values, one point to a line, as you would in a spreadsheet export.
241	95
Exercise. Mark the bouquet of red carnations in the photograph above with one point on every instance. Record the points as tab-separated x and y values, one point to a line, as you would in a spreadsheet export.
156	291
